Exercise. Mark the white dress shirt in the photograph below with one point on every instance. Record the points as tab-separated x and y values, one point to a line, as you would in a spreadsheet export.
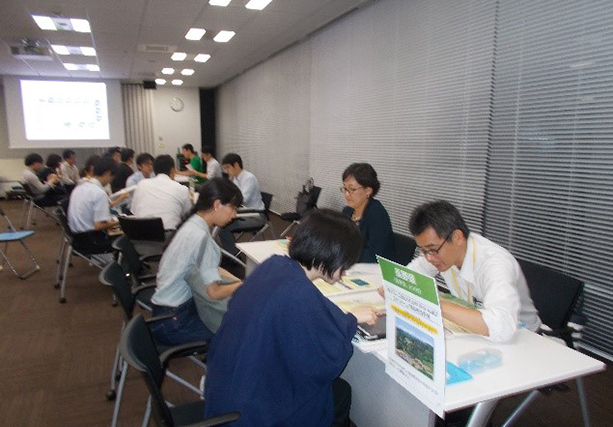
248	184
213	168
161	197
88	204
69	174
492	278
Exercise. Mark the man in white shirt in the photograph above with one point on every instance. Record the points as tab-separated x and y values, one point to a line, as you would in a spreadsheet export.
475	270
162	197
252	199
44	194
69	170
89	214
213	168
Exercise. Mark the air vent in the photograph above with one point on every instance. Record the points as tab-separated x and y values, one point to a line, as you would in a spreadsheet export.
31	53
156	48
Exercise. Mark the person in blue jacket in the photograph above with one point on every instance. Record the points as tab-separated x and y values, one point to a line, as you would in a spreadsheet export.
360	186
282	345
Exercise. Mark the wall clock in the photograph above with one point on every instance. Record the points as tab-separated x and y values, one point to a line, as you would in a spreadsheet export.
176	104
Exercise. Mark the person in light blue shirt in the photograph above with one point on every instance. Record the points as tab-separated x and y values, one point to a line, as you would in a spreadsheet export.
188	280
144	163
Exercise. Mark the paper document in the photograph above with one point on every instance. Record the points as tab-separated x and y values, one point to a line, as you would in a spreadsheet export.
123	191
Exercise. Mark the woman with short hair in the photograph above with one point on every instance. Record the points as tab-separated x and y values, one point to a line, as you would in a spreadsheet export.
282	344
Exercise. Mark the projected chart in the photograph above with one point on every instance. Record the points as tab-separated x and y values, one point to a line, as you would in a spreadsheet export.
56	110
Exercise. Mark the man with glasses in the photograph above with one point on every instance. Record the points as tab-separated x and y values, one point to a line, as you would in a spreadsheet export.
475	270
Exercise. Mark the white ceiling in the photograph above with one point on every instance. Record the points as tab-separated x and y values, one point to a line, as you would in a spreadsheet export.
120	26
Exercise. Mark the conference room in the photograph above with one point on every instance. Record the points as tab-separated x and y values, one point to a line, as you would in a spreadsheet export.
499	107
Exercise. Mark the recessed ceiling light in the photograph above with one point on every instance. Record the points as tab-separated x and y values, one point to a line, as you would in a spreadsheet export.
71	67
257	4
168	71
88	51
219	2
160	81
178	56
224	36
82	67
202	57
93	67
195	33
187	72
80	25
44	22
60	50
177	82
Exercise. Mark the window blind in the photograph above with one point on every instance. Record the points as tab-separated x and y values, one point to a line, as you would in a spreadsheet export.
550	183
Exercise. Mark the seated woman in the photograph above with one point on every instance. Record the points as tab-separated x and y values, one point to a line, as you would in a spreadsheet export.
189	278
360	185
282	345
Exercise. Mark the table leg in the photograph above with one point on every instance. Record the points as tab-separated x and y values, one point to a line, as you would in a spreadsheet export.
482	413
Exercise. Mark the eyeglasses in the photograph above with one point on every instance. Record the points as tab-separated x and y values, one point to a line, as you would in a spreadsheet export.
349	190
434	252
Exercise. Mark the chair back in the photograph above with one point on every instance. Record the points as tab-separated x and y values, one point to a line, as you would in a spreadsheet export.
307	201
144	229
554	294
405	248
113	275
138	349
63	220
28	191
267	199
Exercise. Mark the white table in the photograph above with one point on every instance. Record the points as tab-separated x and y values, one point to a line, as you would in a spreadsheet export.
530	361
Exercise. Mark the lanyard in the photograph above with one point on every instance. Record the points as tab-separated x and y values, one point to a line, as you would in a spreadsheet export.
455	279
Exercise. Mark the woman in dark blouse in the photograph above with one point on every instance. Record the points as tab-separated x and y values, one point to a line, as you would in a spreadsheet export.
360	186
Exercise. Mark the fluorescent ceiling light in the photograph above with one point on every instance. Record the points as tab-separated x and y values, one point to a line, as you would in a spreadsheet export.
82	67
224	36
60	50
44	22
80	25
160	81
93	67
168	71
177	82
223	3
71	67
88	51
187	72
195	33
202	57
257	4
178	56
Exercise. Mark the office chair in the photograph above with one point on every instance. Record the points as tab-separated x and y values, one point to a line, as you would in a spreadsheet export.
67	250
405	248
138	349
555	296
30	205
257	230
306	201
147	234
113	275
11	235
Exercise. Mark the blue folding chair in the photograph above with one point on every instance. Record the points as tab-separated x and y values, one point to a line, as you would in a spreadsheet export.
12	235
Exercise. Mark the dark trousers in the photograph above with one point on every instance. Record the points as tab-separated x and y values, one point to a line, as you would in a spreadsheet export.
183	327
92	242
341	394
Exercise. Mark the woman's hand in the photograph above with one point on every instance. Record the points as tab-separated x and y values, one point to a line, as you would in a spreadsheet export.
365	314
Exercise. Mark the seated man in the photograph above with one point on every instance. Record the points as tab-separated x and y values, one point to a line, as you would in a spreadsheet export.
195	169
124	170
213	168
70	171
44	194
475	270
162	196
144	163
89	214
252	199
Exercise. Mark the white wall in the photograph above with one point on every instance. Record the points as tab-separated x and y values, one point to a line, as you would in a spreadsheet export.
174	129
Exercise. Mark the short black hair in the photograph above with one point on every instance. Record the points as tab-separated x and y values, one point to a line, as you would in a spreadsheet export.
143	158
53	161
218	189
112	151
68	154
163	164
207	149
188	147
231	159
89	164
33	158
441	215
326	240
126	154
103	165
365	175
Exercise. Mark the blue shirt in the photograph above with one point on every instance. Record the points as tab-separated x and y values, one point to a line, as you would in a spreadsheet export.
279	347
249	186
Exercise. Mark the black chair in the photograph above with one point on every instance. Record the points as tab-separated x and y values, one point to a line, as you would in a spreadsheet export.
306	201
139	351
147	234
555	296
113	275
12	235
405	248
257	229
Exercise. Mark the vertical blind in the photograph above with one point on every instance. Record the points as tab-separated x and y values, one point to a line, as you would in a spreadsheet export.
550	184
138	117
